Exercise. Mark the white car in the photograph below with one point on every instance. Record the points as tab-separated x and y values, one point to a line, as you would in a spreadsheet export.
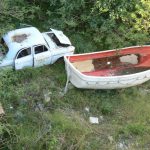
28	47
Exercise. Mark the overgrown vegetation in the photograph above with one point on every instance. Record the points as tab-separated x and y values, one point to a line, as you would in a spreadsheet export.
39	115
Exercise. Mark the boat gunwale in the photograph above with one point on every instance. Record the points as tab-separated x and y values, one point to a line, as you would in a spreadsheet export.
109	50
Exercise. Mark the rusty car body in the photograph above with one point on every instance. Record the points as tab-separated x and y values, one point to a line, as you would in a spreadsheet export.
28	47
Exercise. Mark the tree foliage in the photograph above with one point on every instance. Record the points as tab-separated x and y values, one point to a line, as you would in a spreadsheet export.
14	12
106	24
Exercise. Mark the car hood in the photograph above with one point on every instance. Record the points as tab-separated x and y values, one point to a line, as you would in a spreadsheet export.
62	38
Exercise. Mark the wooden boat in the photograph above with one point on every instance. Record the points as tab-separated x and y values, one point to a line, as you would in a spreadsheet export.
111	69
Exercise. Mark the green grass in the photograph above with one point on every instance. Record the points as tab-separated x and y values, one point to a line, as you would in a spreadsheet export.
61	123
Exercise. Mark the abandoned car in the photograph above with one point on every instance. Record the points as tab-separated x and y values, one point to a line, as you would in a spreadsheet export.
28	47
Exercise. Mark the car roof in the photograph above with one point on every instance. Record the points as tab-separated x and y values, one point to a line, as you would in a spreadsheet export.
23	38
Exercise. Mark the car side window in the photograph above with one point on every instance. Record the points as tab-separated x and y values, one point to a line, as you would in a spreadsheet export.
40	49
24	52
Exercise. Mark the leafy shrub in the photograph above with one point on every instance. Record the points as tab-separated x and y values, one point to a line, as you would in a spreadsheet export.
7	135
106	109
134	129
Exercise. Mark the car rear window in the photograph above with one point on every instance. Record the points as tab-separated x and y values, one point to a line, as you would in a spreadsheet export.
56	40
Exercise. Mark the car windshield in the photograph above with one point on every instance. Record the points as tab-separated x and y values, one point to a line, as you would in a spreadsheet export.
3	49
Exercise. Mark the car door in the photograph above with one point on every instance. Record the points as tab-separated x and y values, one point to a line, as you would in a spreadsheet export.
24	58
42	55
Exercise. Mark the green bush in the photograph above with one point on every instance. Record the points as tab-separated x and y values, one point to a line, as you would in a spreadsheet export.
106	109
134	129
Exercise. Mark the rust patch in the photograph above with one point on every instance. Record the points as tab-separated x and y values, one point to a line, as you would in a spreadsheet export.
106	62
131	70
115	61
20	38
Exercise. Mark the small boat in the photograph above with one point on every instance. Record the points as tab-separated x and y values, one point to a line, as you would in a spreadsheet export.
111	69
